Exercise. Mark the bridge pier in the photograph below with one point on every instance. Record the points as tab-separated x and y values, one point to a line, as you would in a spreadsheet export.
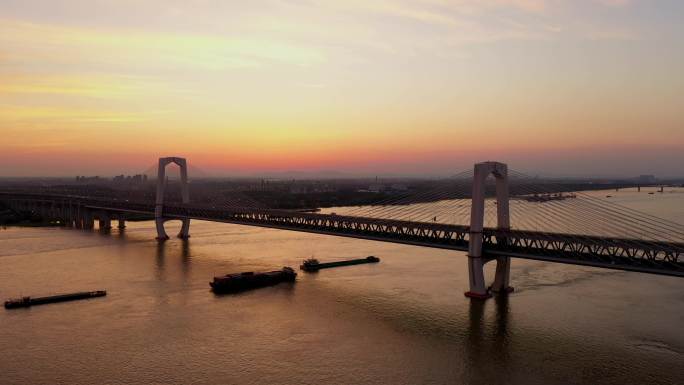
476	259
184	232
501	284
161	233
476	277
70	217
159	204
122	221
104	224
104	221
66	215
88	220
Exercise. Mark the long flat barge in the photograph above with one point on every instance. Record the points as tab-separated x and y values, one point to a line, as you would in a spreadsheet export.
311	265
233	283
30	301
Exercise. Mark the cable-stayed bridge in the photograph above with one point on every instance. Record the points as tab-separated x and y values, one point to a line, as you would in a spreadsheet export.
490	212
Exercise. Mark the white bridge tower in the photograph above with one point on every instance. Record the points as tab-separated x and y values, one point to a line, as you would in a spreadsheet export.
185	196
476	259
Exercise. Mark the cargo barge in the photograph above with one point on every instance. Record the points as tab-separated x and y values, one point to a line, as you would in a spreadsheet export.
312	264
30	301
232	283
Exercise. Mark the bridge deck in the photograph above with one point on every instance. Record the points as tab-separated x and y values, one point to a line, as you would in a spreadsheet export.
615	253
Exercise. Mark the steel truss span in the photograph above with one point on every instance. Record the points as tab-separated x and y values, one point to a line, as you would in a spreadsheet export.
614	253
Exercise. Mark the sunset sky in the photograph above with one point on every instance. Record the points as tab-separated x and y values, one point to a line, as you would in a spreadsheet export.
576	87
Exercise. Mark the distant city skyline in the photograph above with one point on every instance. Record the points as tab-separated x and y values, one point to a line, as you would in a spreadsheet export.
428	87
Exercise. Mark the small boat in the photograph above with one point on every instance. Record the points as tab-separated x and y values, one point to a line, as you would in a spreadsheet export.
232	283
312	264
30	301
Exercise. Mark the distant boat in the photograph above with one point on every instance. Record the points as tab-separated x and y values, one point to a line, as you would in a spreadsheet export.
30	301
548	197
312	264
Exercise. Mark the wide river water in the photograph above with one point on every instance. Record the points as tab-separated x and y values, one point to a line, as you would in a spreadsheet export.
401	321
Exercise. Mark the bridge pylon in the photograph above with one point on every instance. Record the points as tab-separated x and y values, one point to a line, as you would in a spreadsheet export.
476	258
159	204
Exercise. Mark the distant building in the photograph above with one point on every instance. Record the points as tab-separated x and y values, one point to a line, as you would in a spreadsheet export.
298	189
138	178
130	179
310	187
118	179
88	179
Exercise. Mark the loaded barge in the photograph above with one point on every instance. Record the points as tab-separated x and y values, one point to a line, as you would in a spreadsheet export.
312	264
30	301
232	283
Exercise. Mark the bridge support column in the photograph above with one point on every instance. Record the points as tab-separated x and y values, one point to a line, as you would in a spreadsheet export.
476	277
184	232
502	276
71	215
503	264
161	233
122	221
66	216
73	218
476	259
185	195
88	220
104	221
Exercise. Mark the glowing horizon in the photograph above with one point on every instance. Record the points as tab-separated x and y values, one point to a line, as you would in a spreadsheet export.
588	87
